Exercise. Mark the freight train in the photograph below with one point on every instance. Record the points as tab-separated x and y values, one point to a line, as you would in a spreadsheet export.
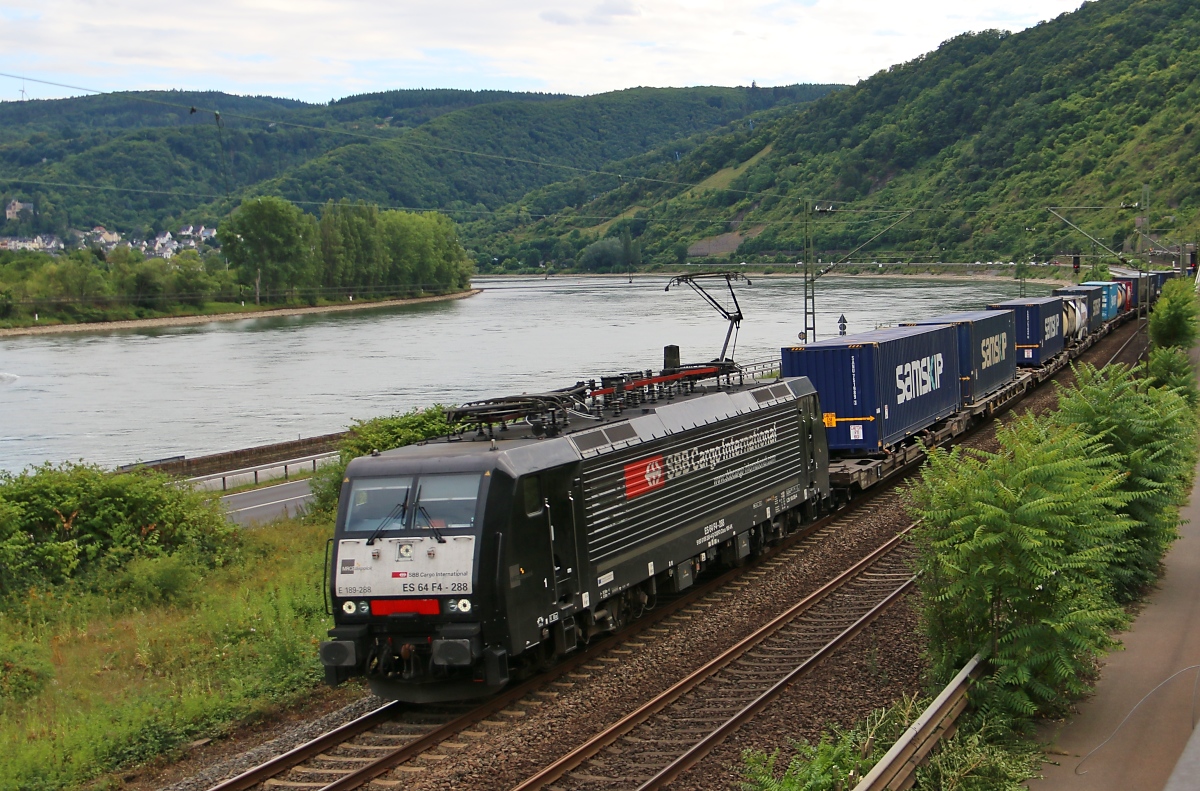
460	563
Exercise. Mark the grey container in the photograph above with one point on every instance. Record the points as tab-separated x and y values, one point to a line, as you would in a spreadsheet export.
987	353
1095	303
1039	328
881	387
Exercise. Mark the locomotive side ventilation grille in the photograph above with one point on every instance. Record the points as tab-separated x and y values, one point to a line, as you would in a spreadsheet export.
693	469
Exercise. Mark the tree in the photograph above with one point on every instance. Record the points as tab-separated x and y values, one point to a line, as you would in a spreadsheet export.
1150	433
190	282
1015	549
606	255
1173	322
271	242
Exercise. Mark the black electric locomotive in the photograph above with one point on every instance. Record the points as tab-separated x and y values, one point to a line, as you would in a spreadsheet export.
459	562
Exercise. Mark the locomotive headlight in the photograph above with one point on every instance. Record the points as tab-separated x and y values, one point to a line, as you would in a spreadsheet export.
464	605
349	607
363	608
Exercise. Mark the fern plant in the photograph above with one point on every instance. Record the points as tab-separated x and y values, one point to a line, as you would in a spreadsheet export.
1016	548
1150	432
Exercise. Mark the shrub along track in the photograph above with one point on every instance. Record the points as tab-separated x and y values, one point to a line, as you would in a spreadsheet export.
556	713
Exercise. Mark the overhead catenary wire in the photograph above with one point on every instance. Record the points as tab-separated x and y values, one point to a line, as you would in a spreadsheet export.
843	205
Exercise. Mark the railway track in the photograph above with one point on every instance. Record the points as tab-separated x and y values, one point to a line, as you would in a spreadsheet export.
396	734
653	745
402	739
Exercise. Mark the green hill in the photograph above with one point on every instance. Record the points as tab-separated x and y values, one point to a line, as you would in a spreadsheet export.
976	138
172	165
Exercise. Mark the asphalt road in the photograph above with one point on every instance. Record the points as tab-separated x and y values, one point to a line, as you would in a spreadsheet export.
267	503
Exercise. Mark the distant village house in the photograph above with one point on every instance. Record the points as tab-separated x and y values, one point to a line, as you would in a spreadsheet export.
14	209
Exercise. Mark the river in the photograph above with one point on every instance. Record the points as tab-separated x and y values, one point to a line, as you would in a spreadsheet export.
114	397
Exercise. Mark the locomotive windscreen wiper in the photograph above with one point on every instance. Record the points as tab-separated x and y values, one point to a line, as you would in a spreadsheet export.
398	511
420	511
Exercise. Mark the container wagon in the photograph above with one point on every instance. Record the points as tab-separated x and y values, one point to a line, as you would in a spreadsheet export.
1112	297
460	560
879	388
987	354
1136	287
1095	303
1075	317
1039	328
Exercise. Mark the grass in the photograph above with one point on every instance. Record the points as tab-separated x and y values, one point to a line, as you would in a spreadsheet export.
725	176
131	678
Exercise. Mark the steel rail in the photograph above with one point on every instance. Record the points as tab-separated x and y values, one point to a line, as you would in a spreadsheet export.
368	772
703	747
608	736
1137	331
300	753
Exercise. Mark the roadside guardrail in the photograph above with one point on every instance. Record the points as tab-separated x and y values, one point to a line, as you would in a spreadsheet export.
897	769
257	472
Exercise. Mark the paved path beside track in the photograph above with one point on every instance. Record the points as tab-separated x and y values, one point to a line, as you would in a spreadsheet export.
1164	639
267	503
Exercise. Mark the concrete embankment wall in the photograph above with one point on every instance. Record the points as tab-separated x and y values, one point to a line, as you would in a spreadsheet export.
251	457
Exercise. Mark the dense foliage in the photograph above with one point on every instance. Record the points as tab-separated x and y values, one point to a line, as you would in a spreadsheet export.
1151	432
1016	548
398	148
78	522
88	285
1173	322
1028	552
978	136
375	434
272	252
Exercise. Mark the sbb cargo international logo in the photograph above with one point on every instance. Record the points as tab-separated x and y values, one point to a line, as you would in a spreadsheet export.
644	476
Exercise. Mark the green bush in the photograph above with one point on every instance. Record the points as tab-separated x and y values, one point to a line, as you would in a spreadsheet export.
1016	548
364	436
1169	367
24	670
1173	322
68	521
1151	433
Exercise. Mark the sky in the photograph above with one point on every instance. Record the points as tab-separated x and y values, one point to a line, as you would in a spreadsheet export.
317	50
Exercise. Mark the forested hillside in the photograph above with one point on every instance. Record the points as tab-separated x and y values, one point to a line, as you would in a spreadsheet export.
164	164
977	138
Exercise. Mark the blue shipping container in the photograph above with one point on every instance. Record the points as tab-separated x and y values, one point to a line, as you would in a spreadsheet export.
1095	301
1112	305
987	353
1039	328
880	387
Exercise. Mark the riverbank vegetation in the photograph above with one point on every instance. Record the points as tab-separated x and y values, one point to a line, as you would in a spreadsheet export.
135	619
273	254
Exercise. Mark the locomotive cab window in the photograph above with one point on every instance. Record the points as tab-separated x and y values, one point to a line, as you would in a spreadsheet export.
446	501
408	503
533	496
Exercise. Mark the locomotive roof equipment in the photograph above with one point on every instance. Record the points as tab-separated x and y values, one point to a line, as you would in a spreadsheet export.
732	315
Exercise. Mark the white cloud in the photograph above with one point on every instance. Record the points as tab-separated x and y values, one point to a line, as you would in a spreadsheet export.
317	49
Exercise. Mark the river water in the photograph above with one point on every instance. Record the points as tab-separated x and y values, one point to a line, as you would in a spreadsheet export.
114	397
